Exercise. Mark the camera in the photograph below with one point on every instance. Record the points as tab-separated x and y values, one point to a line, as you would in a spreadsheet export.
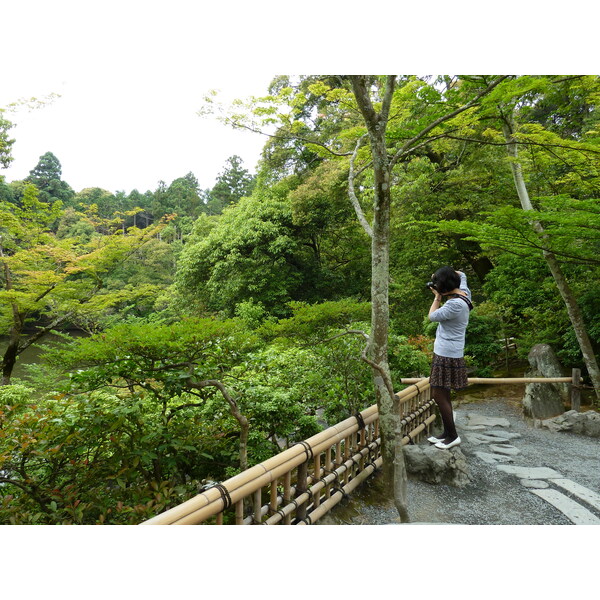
430	284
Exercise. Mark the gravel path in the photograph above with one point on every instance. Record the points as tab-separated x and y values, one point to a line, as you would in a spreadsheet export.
493	496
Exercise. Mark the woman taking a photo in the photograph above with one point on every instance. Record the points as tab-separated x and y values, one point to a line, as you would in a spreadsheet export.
448	368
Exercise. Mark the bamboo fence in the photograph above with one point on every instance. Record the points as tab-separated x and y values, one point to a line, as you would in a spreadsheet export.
301	484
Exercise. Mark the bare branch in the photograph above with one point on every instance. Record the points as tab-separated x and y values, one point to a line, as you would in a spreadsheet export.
275	136
390	85
521	143
352	192
364	101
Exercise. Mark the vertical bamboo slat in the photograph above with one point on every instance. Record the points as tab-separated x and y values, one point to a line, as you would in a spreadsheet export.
239	512
273	498
328	469
317	476
257	504
346	456
287	494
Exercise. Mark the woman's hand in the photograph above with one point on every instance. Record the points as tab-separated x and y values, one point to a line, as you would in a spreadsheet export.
437	295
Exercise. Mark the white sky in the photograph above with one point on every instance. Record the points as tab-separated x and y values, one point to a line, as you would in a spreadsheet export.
130	83
131	74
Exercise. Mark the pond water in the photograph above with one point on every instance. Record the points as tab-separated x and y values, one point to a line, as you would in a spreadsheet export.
33	354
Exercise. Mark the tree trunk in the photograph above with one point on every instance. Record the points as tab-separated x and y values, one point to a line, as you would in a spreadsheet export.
394	468
10	358
564	289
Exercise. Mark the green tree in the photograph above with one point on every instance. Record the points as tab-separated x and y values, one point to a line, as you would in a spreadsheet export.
47	177
6	142
49	281
397	118
234	182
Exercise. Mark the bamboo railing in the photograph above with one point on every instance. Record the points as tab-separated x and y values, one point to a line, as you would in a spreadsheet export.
574	381
301	484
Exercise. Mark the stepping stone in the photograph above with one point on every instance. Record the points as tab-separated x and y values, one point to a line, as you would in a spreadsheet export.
506	449
530	472
479	438
572	510
488	421
534	483
500	433
473	427
585	494
493	459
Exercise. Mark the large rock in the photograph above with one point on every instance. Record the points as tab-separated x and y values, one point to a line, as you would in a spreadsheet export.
587	423
544	400
433	465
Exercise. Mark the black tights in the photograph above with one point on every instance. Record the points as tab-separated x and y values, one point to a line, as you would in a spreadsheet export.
442	399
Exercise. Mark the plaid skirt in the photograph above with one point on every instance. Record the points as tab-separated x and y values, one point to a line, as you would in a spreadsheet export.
450	373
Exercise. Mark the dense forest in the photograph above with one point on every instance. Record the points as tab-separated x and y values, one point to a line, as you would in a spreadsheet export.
188	333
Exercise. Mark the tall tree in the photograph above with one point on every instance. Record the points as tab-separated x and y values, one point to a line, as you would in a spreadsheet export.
6	142
509	128
47	177
397	118
233	183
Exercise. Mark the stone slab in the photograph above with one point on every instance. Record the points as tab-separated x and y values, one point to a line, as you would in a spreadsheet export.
489	421
530	472
473	427
585	494
505	449
500	433
535	483
479	438
493	459
572	510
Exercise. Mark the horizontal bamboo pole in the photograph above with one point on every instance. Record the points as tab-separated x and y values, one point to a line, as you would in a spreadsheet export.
415	432
500	380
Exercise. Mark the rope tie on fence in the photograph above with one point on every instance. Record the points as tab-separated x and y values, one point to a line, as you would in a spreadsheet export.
360	421
306	520
327	472
225	497
306	491
307	449
340	490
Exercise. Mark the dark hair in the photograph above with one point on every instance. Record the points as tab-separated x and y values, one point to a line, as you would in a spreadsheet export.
445	280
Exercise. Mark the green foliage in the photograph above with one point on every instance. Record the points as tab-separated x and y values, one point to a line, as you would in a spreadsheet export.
233	183
134	430
6	142
47	177
483	342
89	459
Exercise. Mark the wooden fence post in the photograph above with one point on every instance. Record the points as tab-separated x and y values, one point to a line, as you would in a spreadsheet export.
301	487
576	390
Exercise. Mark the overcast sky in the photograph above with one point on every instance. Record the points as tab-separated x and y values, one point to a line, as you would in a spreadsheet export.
130	82
131	74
